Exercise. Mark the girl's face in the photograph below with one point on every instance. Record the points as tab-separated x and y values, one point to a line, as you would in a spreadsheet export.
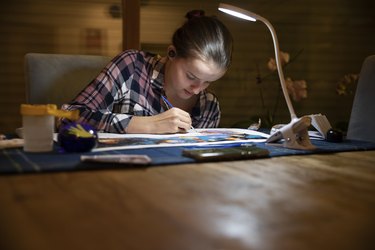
186	77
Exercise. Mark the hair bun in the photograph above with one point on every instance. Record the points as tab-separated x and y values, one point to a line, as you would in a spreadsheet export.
194	13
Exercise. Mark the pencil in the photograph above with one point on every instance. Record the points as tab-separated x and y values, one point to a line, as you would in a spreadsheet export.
169	106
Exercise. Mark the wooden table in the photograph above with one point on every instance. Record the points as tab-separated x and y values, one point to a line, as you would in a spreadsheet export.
294	202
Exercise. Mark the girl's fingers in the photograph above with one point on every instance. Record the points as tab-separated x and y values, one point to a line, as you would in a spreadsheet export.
173	120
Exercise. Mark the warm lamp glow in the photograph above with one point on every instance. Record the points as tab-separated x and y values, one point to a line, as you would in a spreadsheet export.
237	12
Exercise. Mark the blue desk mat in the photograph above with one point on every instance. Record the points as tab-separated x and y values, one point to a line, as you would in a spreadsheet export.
16	161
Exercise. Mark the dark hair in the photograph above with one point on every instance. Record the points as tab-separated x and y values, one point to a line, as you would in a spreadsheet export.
204	37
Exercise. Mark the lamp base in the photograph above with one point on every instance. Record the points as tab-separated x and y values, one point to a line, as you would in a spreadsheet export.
294	135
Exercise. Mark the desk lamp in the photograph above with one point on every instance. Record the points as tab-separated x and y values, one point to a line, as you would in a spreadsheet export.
295	133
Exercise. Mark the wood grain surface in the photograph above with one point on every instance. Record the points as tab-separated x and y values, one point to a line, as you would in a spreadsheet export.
295	202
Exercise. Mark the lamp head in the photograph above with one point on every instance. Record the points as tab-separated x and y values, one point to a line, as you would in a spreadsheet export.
238	12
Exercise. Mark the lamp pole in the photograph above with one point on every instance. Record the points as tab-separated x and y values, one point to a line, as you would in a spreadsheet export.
279	67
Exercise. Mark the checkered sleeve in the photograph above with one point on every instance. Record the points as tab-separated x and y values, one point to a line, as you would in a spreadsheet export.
101	102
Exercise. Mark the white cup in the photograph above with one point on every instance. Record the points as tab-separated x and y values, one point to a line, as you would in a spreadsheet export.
38	127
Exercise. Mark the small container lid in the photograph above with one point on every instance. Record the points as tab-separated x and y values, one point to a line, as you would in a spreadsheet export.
48	109
37	109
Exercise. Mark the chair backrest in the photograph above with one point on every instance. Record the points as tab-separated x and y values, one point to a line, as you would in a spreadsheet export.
58	78
362	118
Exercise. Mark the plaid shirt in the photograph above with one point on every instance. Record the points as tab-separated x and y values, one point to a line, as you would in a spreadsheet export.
132	85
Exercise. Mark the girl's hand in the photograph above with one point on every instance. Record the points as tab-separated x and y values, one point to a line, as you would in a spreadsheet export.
173	120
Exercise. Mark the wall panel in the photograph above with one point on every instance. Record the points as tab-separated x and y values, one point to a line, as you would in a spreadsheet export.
49	26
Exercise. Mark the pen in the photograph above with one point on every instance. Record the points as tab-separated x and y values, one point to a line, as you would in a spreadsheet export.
169	106
118	158
166	102
222	145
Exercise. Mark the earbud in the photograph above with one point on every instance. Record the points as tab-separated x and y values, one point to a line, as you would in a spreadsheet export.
171	53
334	136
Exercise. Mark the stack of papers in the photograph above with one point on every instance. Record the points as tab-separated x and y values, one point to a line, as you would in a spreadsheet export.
196	137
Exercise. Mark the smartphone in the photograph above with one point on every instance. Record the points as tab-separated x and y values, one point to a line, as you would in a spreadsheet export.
229	153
